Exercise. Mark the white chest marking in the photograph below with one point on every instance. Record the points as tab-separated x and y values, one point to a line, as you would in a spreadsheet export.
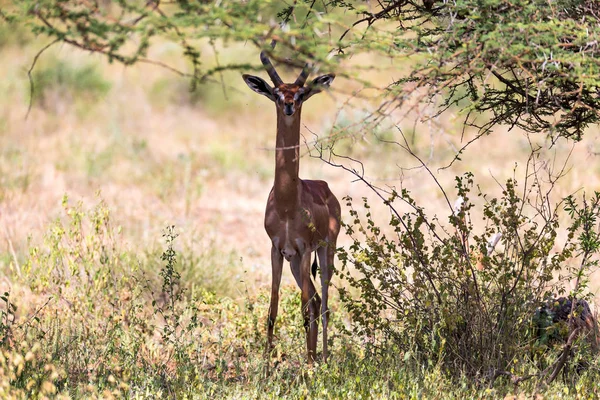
289	120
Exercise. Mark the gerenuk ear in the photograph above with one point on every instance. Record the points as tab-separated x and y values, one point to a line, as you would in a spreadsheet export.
318	84
259	85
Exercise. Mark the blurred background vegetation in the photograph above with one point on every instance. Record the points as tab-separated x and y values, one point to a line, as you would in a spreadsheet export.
120	118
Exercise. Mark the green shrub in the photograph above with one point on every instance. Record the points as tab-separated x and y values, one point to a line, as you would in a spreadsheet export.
433	293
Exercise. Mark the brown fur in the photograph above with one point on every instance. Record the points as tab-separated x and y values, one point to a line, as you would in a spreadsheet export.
302	216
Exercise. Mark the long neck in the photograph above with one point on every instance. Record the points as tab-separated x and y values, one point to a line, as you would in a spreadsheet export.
287	162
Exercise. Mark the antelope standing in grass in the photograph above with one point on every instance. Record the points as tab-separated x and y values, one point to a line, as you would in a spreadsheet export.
302	216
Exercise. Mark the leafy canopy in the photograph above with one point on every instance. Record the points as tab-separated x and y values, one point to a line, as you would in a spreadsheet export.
527	63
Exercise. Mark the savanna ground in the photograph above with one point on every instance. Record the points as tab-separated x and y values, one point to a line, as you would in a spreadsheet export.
110	156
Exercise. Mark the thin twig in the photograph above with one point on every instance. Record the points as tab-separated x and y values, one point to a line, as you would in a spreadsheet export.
35	313
31	85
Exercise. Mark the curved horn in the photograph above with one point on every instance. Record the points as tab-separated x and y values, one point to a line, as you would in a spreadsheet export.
270	68
303	75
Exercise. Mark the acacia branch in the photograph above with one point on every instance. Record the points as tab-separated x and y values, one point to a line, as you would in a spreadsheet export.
374	17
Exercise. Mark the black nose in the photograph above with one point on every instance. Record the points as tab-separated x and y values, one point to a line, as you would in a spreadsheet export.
288	109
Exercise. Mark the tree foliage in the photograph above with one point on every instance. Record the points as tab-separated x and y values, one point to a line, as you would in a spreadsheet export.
527	63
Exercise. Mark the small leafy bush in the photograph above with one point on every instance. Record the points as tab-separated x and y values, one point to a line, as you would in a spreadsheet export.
431	291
